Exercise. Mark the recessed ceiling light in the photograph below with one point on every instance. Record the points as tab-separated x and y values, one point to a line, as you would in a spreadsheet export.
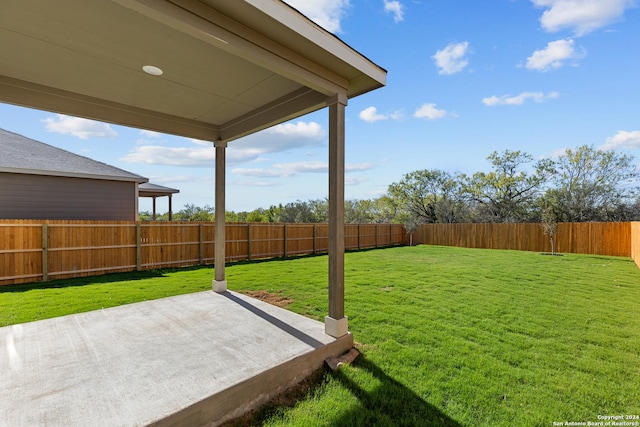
154	71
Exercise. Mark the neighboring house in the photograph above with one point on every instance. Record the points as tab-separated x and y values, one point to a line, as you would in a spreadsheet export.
38	181
154	191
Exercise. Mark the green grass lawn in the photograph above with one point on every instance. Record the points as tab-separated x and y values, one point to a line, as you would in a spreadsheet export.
448	336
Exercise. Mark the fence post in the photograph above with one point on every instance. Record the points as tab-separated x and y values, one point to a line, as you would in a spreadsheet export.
359	236
390	235
45	252
138	248
376	234
201	241
249	241
315	234
285	241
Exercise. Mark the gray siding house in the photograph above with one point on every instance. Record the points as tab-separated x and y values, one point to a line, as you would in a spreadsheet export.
38	181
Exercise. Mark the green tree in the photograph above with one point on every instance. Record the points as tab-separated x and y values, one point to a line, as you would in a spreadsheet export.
593	185
257	215
385	210
232	216
358	211
274	213
297	211
191	212
145	216
430	196
508	193
319	210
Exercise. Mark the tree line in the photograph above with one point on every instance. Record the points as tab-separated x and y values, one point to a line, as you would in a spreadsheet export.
583	184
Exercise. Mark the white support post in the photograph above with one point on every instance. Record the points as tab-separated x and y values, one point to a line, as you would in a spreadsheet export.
220	283
336	323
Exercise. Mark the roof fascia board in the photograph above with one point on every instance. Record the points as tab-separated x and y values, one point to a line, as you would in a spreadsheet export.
139	179
155	193
285	14
208	25
33	95
288	107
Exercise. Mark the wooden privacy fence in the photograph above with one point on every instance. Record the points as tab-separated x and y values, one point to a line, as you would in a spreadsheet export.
45	250
598	238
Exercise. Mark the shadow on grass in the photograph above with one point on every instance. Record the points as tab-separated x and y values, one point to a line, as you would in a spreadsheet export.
389	404
147	274
125	276
83	281
304	256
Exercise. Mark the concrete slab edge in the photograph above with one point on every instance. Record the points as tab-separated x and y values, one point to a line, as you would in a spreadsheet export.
251	394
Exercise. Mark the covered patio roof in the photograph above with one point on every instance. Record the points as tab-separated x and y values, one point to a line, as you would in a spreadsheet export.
214	70
154	191
230	68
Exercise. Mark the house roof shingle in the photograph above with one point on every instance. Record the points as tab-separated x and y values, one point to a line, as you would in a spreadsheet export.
19	154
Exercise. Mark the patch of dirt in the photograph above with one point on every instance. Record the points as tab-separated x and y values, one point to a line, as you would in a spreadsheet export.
269	297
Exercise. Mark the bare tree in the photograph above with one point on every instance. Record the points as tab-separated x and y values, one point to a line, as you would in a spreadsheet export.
549	226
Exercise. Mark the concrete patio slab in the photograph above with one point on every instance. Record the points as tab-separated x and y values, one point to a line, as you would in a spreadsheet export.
196	359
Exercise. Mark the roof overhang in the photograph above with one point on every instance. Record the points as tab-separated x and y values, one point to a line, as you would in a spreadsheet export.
231	68
154	190
71	174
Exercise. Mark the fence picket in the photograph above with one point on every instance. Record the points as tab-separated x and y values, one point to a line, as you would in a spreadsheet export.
38	250
597	238
64	249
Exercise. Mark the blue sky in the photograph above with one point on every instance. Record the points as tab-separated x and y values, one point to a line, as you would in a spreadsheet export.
465	78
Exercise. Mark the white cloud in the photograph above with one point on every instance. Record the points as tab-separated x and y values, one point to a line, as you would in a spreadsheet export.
326	13
355	180
396	8
429	111
357	167
150	134
622	139
261	173
175	180
297	130
81	128
171	156
452	59
519	99
201	142
282	137
582	16
556	153
285	170
554	55
279	138
199	157
253	183
371	115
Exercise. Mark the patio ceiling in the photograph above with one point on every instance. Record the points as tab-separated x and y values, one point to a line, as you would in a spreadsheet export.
230	68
